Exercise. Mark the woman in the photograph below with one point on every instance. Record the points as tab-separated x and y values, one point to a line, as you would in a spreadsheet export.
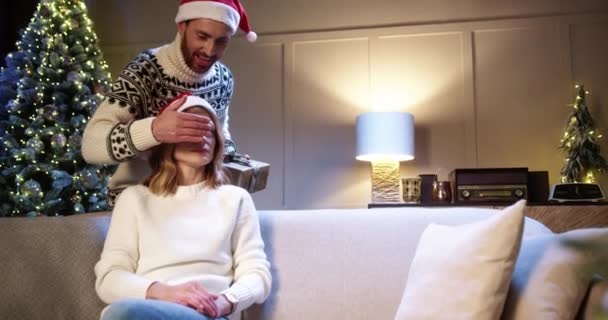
183	245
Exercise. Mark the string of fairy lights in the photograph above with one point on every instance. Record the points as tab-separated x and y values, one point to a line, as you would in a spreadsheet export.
63	55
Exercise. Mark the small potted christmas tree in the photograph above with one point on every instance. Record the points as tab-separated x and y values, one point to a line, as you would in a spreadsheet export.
584	160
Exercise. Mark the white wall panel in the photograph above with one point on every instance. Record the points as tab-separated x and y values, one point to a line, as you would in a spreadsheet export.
424	74
330	86
519	80
589	48
257	113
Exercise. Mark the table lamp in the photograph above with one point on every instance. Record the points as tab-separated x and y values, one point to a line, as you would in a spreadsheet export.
385	139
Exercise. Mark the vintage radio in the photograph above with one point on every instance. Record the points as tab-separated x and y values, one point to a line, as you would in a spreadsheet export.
489	185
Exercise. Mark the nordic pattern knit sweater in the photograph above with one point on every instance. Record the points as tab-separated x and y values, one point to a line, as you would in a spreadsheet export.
120	131
198	234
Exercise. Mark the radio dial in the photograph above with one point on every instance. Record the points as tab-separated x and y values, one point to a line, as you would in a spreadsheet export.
519	193
466	194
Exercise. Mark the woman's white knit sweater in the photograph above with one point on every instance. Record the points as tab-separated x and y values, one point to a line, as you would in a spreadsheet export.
198	234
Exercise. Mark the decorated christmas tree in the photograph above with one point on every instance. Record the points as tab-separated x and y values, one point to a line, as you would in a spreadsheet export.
580	144
57	77
9	78
8	86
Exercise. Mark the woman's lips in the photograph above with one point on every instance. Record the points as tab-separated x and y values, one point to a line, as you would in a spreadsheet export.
199	150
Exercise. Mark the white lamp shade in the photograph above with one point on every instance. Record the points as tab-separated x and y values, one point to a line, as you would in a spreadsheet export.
385	136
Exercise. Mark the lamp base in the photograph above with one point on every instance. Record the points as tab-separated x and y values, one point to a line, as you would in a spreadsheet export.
385	182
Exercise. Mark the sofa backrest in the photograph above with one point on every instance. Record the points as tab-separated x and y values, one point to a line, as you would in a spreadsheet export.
326	264
348	264
46	267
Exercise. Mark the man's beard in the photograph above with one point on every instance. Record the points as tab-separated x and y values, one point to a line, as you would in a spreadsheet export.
185	53
189	58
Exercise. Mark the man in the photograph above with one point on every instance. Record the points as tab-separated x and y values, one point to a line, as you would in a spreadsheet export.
126	124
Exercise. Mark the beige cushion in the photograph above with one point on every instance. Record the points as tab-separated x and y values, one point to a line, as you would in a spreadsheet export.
463	272
552	278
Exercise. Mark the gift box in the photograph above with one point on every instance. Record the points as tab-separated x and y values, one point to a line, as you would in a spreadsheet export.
248	174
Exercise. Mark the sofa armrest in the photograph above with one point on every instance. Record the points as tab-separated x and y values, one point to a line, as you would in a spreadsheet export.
595	302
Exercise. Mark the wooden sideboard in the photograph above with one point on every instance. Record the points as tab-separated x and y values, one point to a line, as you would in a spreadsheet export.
561	218
557	217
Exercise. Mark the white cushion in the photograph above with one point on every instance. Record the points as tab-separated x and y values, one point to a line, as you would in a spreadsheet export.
463	272
551	278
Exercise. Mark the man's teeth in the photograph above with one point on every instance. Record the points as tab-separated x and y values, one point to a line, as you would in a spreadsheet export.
202	57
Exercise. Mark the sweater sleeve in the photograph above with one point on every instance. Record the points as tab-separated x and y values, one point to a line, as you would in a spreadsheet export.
117	131
115	271
229	145
252	278
225	130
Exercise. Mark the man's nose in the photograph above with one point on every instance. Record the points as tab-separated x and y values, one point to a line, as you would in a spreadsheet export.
209	49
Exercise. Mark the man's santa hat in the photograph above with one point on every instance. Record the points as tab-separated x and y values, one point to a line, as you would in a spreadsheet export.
229	12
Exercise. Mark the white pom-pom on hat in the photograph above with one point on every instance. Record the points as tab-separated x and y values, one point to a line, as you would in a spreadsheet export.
252	36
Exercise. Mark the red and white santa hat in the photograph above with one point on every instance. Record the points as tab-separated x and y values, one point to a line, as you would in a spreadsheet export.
230	12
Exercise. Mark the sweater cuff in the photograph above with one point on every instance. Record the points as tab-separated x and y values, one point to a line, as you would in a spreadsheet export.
121	284
141	134
138	287
243	295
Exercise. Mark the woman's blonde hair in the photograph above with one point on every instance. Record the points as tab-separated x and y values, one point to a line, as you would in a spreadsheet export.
164	180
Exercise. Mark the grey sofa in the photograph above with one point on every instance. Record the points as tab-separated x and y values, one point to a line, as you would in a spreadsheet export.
326	264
